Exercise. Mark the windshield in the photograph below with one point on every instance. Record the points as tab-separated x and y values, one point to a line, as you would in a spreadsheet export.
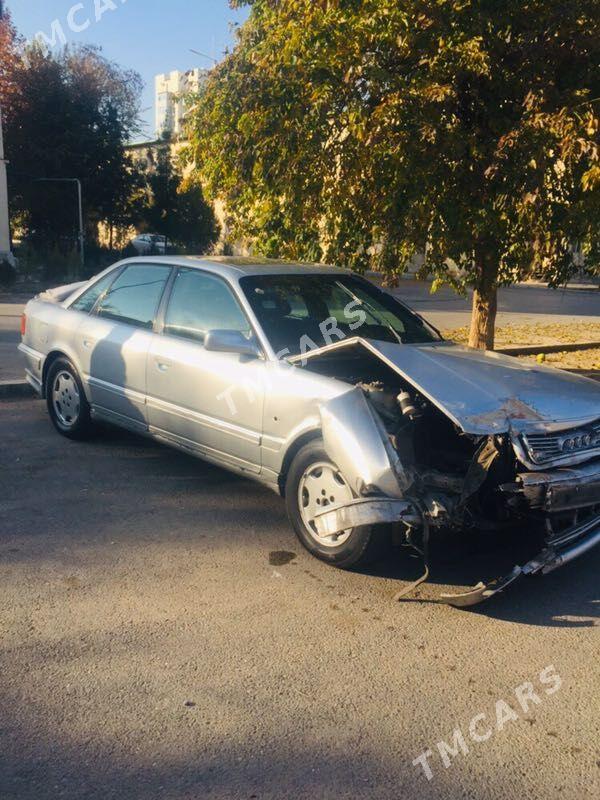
303	312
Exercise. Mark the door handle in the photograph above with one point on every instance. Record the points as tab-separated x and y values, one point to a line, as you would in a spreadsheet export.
162	366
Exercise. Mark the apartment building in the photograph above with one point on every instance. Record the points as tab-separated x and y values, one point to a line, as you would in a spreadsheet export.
169	102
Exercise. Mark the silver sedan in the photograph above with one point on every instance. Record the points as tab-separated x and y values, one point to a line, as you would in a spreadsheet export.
326	388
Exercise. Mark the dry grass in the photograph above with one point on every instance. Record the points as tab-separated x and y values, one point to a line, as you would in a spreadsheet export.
536	334
544	334
586	360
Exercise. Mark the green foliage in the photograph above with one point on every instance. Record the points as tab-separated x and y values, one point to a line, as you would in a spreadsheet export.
129	251
60	265
97	258
366	132
176	208
8	274
68	116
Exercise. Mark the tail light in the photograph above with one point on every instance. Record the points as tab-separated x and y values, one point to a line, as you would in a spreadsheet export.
23	324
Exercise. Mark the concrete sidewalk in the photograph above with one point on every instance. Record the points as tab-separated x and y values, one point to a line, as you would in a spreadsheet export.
11	365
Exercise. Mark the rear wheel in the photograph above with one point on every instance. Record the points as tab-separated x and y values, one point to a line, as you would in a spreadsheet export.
67	404
313	484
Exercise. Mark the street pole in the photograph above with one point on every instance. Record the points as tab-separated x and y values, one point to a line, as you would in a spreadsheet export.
81	241
4	219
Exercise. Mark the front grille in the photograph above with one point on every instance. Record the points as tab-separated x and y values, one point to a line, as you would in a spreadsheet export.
545	447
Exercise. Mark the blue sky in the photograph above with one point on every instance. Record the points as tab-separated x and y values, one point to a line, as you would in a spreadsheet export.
150	36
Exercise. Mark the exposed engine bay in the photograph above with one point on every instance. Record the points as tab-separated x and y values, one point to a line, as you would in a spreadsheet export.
448	477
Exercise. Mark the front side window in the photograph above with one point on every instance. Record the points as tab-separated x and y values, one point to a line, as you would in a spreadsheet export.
88	299
200	303
134	296
299	312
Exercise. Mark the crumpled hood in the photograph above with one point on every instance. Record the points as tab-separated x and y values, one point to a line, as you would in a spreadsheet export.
485	392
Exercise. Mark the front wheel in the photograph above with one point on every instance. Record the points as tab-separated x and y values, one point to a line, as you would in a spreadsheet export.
313	484
67	404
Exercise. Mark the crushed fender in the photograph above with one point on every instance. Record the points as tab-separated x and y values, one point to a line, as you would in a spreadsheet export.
357	443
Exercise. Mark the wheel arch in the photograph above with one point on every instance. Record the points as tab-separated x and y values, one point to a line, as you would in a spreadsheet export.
291	452
53	356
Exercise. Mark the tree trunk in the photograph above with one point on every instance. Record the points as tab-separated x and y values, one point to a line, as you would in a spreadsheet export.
485	305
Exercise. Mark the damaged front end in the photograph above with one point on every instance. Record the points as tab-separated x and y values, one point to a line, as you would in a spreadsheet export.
413	462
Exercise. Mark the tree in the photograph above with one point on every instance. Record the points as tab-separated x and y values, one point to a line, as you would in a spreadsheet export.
367	132
9	45
175	207
69	116
127	208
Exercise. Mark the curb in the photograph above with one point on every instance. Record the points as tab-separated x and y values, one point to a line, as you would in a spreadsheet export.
534	349
576	287
15	389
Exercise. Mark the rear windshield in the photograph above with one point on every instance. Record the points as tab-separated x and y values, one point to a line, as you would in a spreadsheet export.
301	312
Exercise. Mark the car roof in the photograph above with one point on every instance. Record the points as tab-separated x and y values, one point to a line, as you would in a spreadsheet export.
240	266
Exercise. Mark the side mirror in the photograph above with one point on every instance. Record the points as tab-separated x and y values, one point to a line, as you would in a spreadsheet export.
222	341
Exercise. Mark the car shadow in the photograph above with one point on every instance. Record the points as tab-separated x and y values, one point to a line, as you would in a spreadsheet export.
569	597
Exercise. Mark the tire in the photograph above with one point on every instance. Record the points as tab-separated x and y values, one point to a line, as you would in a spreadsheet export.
66	401
353	548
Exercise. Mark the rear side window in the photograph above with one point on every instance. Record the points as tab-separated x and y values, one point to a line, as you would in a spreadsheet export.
134	296
88	299
200	303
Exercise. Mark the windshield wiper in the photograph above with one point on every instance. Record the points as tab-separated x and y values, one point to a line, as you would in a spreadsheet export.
378	320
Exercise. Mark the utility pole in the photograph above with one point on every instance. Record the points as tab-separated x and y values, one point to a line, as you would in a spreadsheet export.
81	237
5	253
4	222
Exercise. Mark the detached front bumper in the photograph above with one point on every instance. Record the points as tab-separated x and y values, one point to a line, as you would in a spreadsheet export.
580	540
572	491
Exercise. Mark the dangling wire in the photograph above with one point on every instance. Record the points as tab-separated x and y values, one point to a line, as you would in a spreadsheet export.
402	594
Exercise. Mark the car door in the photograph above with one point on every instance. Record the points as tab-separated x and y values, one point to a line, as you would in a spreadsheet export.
209	402
114	340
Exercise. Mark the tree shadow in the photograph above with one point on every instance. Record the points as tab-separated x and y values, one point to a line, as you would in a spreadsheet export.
281	765
116	381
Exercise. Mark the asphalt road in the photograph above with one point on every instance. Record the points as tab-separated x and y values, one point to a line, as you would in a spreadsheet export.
163	635
520	304
517	305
